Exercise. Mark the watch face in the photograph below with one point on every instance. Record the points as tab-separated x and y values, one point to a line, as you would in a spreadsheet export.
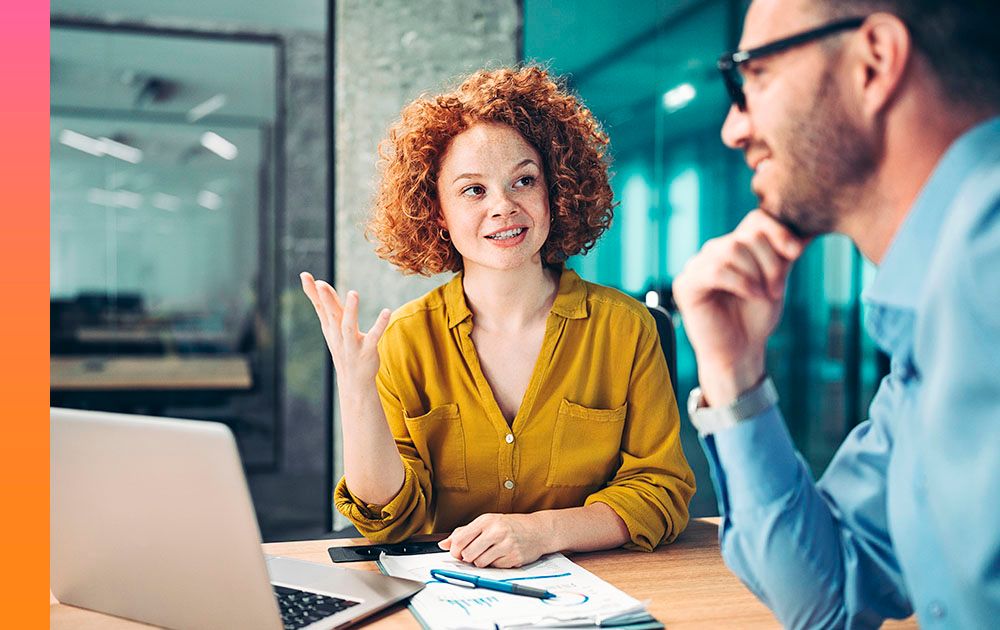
748	405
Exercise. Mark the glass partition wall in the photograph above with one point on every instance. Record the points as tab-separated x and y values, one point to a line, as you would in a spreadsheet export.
162	210
646	68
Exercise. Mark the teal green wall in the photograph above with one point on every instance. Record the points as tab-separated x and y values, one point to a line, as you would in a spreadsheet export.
677	186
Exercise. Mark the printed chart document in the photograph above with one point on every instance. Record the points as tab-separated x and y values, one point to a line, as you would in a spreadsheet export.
582	599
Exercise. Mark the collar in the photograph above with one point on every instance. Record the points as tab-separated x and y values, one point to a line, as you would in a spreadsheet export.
570	302
900	277
454	301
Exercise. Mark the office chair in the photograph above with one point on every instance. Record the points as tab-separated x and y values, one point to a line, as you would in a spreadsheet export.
668	340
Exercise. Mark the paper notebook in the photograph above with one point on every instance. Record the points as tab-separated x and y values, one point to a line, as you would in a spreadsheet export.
582	599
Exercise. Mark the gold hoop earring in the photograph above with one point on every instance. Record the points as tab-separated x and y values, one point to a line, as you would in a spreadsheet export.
443	233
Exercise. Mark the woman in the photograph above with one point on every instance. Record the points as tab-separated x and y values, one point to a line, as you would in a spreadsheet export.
518	407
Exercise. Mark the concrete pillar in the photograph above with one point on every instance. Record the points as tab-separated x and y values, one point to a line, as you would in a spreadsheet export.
387	52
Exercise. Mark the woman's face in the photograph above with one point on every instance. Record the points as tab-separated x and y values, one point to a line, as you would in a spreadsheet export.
493	197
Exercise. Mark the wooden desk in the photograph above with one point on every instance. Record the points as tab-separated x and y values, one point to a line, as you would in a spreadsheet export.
187	372
687	584
149	336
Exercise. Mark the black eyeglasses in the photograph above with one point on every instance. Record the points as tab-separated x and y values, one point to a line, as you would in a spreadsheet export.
729	63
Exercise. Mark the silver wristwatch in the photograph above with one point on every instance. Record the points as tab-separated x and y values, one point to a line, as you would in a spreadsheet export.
750	403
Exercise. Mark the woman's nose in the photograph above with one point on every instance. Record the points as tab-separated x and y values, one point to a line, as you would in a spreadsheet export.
504	207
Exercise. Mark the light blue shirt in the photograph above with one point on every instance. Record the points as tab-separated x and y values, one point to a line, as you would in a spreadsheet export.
907	516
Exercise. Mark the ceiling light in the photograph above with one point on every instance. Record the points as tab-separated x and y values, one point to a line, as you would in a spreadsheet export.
209	199
163	201
100	147
201	110
679	97
114	198
121	151
219	145
80	142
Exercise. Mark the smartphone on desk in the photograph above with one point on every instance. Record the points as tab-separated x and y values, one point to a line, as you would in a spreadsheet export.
370	553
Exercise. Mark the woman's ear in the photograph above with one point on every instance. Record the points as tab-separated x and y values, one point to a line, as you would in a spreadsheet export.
440	222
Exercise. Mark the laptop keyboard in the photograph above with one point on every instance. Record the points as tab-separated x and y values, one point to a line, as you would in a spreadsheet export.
301	608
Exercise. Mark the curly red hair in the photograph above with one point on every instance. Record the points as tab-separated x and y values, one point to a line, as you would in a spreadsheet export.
564	132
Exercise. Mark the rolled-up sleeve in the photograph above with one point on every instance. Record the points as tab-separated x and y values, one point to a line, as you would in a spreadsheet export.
652	487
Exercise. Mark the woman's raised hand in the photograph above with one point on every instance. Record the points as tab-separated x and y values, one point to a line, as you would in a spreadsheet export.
372	466
355	354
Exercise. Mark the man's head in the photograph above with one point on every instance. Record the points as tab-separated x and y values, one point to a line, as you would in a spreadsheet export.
958	39
815	122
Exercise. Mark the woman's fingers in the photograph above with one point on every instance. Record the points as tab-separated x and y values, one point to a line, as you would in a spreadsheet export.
506	561
354	354
490	556
349	321
331	301
477	547
460	538
324	300
309	287
375	332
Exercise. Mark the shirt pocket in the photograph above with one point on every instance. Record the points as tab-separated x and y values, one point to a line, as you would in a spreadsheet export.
586	445
440	440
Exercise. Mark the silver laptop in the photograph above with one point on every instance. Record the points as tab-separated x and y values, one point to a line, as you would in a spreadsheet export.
151	520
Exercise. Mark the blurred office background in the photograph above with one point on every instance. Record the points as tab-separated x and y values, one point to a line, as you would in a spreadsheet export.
204	153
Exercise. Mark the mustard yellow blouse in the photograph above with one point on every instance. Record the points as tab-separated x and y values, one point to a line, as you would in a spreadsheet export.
598	422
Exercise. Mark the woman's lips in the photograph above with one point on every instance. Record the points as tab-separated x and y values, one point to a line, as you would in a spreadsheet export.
509	237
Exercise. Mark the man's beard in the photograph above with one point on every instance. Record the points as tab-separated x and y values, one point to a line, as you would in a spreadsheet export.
833	160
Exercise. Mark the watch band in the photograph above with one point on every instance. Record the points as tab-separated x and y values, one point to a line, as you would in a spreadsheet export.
750	403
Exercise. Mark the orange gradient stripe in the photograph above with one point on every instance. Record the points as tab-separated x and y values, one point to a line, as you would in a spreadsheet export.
24	313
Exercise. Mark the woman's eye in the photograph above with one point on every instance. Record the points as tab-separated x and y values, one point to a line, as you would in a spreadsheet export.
473	191
527	180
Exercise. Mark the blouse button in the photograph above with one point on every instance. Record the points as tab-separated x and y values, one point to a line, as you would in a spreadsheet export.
508	484
510	438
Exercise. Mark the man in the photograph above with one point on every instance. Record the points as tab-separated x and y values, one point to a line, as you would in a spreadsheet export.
879	122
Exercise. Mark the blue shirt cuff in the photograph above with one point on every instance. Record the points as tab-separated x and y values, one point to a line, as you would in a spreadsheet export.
754	463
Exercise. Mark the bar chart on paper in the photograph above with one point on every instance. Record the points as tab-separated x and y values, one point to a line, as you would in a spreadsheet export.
581	598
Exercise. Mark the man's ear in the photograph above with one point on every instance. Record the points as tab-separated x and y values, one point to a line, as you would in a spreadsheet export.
883	49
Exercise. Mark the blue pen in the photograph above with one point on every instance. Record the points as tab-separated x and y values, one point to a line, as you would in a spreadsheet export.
494	585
